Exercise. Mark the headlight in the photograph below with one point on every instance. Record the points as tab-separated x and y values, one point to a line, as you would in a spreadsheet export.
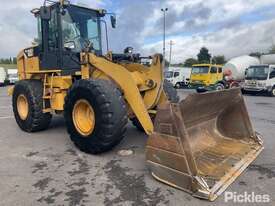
262	84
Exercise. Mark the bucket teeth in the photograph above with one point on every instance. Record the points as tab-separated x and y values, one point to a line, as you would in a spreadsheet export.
202	144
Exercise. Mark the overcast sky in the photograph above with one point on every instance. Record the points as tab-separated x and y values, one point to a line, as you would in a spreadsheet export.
231	28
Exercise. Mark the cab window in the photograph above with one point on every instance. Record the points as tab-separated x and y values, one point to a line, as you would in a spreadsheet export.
272	73
176	74
213	70
53	32
220	70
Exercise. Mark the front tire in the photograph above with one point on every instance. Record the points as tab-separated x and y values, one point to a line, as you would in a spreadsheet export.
272	93
178	86
27	102
103	125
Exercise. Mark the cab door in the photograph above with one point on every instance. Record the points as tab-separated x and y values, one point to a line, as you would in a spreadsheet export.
213	75
50	55
272	76
220	74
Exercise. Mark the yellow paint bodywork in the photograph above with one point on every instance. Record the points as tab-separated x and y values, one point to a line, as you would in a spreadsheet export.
206	79
22	106
141	86
130	82
84	117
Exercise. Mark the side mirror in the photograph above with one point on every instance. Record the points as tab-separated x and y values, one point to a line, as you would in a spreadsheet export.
69	45
113	21
45	13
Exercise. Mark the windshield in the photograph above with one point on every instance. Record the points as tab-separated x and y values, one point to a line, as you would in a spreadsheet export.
257	73
200	70
13	75
80	27
168	75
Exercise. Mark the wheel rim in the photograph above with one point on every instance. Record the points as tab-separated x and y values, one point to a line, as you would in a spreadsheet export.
219	88
84	117
22	107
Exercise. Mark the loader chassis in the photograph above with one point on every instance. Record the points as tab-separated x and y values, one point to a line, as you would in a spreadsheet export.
59	74
199	145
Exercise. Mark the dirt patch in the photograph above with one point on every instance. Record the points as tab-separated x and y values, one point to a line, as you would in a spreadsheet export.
268	172
42	184
132	188
40	166
30	154
77	191
71	152
75	197
50	199
83	167
81	182
242	183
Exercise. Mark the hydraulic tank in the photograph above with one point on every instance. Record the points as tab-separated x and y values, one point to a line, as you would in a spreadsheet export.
237	66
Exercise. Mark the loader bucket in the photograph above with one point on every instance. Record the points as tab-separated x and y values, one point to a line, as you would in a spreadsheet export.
202	144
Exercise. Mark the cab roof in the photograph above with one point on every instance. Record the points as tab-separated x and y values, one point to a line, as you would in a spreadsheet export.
36	11
207	65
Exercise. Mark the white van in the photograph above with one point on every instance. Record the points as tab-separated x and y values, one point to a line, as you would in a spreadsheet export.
12	76
3	76
178	76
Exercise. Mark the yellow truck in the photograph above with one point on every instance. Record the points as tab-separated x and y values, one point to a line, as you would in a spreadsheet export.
207	77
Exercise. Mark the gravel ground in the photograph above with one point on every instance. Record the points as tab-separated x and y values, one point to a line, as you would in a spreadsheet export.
45	168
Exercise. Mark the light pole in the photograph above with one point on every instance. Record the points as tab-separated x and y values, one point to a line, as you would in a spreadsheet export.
164	33
170	56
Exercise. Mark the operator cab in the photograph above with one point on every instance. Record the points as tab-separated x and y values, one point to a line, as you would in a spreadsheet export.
64	31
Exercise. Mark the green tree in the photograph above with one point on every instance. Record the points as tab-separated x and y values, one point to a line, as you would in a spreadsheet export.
204	56
220	59
190	62
14	60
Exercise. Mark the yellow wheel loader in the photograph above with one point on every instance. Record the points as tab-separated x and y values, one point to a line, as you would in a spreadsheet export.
200	145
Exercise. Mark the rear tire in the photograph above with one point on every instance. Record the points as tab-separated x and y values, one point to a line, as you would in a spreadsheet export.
219	87
110	113
272	93
32	119
178	86
172	96
138	125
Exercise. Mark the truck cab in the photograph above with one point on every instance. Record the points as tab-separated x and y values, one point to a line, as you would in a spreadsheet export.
179	77
260	79
205	75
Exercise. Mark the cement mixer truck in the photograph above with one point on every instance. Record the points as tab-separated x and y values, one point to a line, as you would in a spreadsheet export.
233	74
235	70
261	78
